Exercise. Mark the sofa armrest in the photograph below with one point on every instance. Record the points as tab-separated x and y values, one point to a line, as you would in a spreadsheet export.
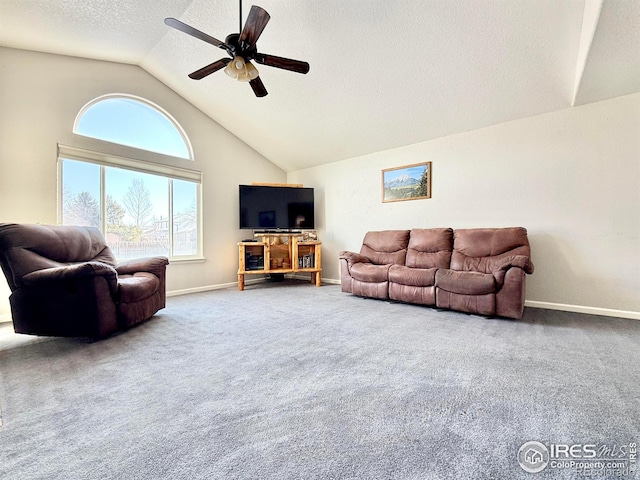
155	265
79	271
517	261
353	258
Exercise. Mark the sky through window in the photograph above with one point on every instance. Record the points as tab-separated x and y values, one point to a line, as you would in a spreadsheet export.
131	122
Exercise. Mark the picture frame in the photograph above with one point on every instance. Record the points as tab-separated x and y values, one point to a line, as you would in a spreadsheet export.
409	182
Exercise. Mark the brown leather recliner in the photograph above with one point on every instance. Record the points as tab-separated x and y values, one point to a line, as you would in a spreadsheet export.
65	281
487	272
367	274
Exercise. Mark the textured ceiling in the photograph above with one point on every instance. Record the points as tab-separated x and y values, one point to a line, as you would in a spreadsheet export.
383	74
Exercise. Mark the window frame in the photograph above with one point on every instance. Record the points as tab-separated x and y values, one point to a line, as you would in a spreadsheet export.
142	166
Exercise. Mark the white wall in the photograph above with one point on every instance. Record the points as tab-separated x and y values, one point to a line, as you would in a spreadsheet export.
571	177
40	96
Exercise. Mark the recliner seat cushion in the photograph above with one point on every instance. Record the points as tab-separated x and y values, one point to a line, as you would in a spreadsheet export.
368	272
465	283
417	277
136	287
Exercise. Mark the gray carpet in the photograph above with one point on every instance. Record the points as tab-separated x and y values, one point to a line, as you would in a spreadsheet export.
290	381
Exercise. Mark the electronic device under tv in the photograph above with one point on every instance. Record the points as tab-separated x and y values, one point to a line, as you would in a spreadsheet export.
269	208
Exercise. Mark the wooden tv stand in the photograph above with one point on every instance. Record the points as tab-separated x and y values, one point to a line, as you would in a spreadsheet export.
280	253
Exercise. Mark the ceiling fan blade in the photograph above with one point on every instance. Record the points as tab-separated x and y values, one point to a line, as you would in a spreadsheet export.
253	27
183	27
284	63
209	69
258	87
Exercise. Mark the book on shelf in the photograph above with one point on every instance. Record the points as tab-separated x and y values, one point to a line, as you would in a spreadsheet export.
306	261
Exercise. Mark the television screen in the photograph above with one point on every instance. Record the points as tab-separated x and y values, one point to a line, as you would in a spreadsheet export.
276	208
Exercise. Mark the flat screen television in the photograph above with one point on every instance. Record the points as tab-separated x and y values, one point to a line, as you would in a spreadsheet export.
276	208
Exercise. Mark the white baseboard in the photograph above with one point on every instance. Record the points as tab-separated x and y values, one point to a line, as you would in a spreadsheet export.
607	312
305	276
208	288
5	317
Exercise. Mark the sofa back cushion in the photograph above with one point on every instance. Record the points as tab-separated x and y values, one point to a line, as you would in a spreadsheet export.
484	249
430	248
25	248
386	247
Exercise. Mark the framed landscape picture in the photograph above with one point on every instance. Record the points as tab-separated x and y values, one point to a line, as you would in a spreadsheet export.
410	182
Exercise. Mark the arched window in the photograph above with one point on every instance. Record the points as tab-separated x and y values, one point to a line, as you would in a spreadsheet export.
135	122
142	207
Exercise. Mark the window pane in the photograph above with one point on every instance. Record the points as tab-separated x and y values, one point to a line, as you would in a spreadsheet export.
132	123
137	213
185	218
80	193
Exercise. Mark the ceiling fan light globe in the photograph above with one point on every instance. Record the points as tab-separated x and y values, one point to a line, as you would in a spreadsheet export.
232	72
252	71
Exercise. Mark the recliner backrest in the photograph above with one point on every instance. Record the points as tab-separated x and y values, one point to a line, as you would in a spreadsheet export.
430	248
26	248
386	247
483	249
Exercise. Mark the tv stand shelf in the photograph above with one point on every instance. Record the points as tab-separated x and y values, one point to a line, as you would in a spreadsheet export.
270	254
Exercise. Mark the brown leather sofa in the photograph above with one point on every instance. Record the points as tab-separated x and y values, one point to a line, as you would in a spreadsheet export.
65	281
479	270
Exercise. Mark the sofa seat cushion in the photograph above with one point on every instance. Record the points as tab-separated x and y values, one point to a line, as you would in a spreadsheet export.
136	287
466	283
417	277
370	273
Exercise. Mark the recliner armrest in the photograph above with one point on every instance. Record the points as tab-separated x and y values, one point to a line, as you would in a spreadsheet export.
518	261
353	258
73	272
155	265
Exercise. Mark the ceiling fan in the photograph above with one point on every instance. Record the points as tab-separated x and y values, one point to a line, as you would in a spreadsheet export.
241	48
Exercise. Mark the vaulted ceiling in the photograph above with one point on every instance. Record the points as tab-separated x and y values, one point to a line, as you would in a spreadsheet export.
383	73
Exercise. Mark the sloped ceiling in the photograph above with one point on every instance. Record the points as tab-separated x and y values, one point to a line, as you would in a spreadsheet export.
383	74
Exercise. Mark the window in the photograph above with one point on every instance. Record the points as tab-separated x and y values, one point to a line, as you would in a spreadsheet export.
134	122
142	208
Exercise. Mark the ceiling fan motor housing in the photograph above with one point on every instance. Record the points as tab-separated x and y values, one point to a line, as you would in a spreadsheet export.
233	40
